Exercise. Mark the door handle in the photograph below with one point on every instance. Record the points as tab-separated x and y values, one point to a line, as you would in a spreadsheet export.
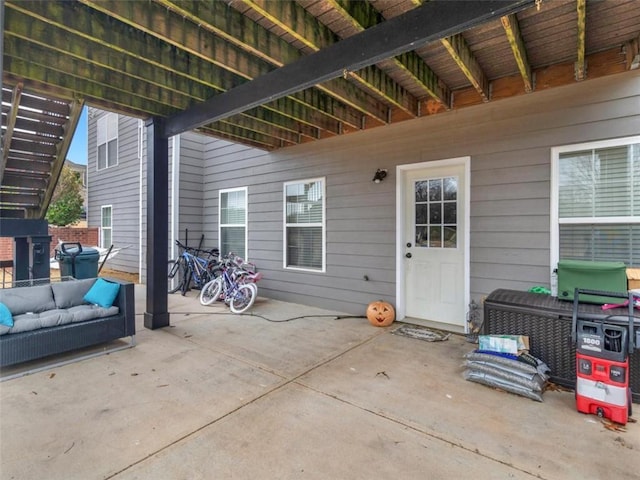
408	255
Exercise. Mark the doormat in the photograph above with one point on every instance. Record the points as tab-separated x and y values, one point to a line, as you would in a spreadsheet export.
421	333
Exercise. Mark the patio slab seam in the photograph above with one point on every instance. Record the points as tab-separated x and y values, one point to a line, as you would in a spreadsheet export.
429	433
276	388
227	353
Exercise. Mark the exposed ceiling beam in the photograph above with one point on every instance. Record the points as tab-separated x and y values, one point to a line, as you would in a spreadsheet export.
305	28
430	22
157	21
512	30
141	59
459	50
12	115
62	148
362	15
238	29
581	67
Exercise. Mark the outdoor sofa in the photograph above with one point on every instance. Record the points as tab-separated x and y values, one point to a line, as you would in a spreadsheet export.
63	316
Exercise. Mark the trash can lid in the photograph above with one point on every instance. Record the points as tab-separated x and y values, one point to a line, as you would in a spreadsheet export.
73	252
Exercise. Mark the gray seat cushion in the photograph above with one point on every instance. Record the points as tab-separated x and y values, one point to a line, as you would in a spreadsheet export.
71	293
28	299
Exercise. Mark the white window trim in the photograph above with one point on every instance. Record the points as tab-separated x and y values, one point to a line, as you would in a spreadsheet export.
555	177
108	138
322	224
245	254
102	207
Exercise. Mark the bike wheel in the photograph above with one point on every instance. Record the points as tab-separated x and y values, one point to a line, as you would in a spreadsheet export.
186	280
211	291
242	299
175	275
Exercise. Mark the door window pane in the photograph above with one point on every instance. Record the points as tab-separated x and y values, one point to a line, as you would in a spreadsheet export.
436	209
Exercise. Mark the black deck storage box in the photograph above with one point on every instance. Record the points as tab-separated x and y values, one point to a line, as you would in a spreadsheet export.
547	322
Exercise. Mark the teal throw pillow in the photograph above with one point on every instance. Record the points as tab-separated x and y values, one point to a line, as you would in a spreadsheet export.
102	293
5	316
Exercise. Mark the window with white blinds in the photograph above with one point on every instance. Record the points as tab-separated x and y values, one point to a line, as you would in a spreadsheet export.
233	221
598	201
304	219
107	140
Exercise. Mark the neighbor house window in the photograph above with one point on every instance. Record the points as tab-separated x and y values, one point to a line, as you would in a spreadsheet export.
233	221
107	141
105	226
304	218
597	202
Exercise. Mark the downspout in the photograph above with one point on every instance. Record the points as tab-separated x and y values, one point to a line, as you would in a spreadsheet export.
175	194
140	198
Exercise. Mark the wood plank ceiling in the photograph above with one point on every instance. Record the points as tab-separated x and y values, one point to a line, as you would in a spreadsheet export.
162	57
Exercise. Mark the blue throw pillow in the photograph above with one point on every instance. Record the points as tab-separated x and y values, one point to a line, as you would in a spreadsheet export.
5	316
102	293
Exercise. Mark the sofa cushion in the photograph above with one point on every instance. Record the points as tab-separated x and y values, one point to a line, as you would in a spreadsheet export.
28	322
6	318
102	293
71	293
28	299
82	313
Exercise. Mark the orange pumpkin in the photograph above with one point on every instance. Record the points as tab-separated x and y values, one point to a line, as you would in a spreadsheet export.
380	313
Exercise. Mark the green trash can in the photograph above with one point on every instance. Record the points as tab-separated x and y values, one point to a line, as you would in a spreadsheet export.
602	276
77	262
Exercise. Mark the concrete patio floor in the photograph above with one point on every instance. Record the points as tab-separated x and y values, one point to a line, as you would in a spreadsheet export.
222	396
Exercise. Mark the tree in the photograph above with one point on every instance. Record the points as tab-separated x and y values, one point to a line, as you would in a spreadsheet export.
66	203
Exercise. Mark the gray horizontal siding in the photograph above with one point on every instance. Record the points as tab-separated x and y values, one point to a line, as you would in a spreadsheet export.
509	142
117	186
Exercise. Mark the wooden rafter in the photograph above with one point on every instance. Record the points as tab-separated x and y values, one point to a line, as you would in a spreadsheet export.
157	21
305	28
390	38
362	15
581	68
459	50
173	55
11	122
260	42
189	80
512	30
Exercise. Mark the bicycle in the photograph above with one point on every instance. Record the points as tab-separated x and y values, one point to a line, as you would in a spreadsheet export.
192	269
236	285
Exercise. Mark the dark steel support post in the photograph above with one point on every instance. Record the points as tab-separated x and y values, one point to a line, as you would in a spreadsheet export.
156	314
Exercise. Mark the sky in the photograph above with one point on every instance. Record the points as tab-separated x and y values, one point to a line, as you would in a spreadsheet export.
78	150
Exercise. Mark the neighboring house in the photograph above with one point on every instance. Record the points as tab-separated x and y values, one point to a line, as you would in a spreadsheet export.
477	199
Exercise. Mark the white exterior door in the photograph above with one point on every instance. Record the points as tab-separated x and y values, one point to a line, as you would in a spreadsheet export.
434	242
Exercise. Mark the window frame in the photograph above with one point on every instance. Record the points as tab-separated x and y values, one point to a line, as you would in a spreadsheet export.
322	224
245	254
104	123
102	227
555	220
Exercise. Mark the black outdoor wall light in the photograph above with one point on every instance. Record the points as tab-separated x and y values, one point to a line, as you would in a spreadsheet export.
380	175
